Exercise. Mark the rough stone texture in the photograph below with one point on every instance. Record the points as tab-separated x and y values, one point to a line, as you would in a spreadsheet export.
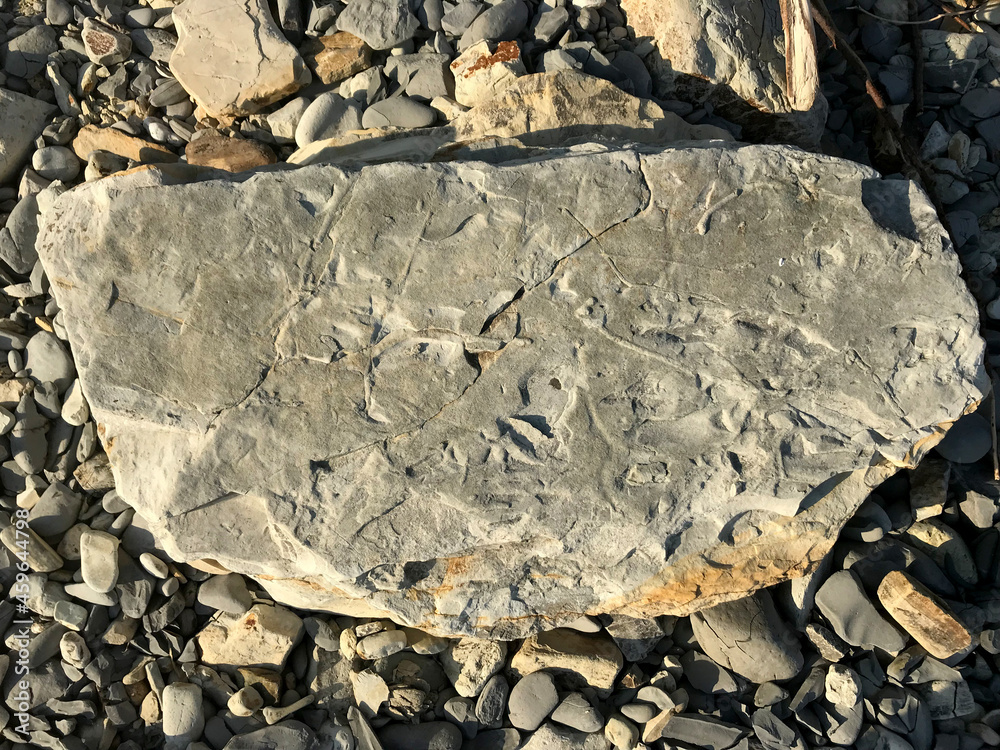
748	637
923	615
334	57
545	109
22	119
520	384
731	53
230	154
551	108
232	58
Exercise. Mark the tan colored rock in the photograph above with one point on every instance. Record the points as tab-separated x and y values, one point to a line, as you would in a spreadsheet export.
12	390
262	637
230	154
945	547
232	58
923	615
580	659
549	108
93	138
484	70
731	53
94	474
334	57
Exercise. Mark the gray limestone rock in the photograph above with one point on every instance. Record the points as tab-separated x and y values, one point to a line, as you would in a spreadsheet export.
380	23
730	53
25	55
748	637
408	353
843	602
22	119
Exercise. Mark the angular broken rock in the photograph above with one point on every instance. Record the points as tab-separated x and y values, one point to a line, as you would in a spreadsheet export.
231	57
732	55
479	398
22	119
263	637
923	615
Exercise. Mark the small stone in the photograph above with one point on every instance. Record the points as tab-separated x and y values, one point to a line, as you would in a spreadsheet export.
382	24
87	594
381	645
706	675
230	154
329	116
27	53
370	691
982	102
621	733
502	22
103	44
581	659
56	510
970	438
428	735
830	645
923	615
226	593
183	715
843	686
73	616
58	12
41	558
640	713
262	637
56	163
768	693
470	663
576	712
929	488
232	58
843	602
337	57
288	735
73	649
75	410
635	636
485	70
48	360
945	547
703	732
461	712
492	702
245	702
99	560
531	701
284	121
425	643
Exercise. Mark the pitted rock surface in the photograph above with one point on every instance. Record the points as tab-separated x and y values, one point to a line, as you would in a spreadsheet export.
484	399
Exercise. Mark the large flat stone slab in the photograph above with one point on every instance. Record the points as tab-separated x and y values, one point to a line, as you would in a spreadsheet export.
485	399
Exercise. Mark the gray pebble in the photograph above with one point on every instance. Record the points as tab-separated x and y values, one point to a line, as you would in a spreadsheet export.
500	23
576	712
969	439
329	116
48	360
382	24
227	593
398	112
183	714
56	511
457	20
531	701
58	12
844	603
429	735
982	102
492	702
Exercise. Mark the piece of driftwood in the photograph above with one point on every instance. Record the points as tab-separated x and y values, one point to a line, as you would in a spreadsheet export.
801	69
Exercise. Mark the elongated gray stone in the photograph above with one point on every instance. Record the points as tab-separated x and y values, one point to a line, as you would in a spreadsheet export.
22	120
485	398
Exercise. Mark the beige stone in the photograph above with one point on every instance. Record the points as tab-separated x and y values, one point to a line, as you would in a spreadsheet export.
484	70
232	58
262	637
580	658
923	615
93	138
550	108
230	154
12	390
732	54
334	57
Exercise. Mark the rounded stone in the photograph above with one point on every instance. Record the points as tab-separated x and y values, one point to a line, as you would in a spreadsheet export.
329	116
967	441
228	593
56	163
183	714
531	701
398	112
48	360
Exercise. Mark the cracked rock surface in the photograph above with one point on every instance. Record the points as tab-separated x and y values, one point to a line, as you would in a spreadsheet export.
486	398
